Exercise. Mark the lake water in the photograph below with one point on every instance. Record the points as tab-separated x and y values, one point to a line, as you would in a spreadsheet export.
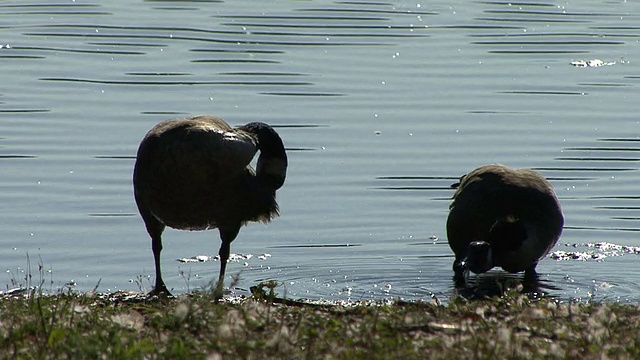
381	104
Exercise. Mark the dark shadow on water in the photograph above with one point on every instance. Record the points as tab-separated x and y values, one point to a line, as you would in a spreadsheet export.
497	283
311	246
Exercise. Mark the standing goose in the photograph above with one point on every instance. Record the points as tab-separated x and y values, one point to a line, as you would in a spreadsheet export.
193	174
502	217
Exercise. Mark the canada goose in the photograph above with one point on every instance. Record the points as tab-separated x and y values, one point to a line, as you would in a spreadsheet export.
193	174
502	217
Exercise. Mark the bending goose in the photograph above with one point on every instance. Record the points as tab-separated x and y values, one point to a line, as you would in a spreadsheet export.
502	217
193	174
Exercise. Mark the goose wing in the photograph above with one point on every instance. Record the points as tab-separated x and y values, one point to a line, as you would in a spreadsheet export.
219	144
198	150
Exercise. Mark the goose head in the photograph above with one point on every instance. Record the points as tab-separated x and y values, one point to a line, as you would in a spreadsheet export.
272	163
506	237
479	257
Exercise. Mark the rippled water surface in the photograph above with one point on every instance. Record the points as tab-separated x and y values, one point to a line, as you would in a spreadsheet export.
382	105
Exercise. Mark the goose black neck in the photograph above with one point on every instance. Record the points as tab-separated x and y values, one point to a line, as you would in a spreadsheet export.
507	235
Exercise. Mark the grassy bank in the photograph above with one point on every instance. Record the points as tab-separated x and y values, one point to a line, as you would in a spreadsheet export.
192	326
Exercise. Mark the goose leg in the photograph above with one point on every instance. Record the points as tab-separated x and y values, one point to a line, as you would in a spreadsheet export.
155	229
227	235
530	273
